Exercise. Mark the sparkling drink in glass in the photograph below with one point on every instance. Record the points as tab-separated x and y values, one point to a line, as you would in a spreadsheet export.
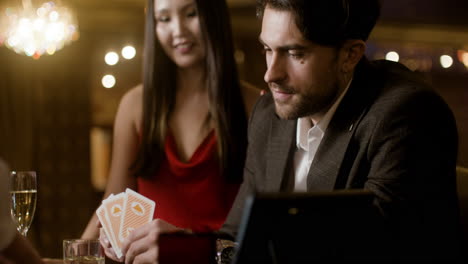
23	193
82	251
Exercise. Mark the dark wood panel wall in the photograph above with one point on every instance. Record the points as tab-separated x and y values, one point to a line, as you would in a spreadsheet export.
44	126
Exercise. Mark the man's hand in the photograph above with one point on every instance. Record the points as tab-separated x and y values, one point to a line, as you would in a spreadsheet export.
141	246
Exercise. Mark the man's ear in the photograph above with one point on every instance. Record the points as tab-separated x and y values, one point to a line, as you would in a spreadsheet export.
352	52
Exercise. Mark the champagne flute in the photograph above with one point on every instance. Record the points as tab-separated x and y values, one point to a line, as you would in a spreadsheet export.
23	191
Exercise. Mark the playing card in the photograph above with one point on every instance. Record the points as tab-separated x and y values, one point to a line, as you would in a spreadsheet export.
104	219
120	214
114	208
137	211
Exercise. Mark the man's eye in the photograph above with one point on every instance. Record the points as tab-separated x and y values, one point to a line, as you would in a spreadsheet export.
266	50
296	55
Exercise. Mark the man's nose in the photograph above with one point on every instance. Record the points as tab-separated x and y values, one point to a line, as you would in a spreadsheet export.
276	71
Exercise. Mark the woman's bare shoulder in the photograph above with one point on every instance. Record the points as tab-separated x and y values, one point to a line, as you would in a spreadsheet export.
133	96
250	93
131	105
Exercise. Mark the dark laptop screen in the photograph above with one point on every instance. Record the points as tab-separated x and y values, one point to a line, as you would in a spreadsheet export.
305	227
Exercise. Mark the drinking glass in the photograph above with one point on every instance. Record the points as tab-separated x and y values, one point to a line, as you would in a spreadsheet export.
82	251
23	192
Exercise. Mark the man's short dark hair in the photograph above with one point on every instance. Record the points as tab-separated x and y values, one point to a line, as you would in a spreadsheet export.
329	22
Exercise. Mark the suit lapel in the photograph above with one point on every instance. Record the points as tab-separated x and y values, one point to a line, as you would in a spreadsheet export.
282	137
325	168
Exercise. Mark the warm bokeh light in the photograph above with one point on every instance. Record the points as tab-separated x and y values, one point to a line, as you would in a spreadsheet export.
463	57
446	61
111	58
108	81
34	32
128	52
51	50
392	56
53	16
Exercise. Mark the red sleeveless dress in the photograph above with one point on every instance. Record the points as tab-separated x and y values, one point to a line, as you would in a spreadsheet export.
190	195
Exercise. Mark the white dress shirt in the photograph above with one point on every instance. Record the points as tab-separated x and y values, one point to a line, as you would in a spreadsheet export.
7	227
308	138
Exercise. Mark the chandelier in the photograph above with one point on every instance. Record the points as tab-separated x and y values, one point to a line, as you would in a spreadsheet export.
37	31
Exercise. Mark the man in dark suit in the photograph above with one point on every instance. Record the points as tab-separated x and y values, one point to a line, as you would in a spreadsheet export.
333	120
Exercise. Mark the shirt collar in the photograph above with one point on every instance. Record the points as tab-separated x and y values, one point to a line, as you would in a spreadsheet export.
304	124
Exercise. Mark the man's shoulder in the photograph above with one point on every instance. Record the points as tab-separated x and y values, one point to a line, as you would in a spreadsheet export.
262	116
264	109
400	91
400	85
394	73
266	102
397	75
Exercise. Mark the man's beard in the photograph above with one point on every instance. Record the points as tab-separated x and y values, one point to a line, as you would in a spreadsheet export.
307	104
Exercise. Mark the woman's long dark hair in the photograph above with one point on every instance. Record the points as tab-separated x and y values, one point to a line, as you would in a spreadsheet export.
226	105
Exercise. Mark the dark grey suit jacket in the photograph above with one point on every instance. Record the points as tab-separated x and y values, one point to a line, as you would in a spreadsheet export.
391	134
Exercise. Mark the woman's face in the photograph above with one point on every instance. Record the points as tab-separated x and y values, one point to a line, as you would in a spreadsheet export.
178	31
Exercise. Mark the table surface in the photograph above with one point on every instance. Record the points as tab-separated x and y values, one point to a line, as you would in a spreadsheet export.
60	261
52	261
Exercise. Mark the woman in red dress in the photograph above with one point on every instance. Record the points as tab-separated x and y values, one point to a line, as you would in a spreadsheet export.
180	137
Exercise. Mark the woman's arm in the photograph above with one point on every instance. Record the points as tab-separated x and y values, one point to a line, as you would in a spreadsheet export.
125	145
